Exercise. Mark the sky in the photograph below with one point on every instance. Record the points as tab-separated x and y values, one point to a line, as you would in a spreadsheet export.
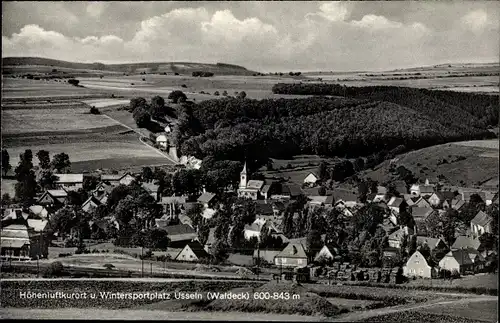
263	36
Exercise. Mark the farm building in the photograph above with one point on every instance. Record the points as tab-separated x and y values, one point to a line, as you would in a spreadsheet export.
481	223
53	198
420	214
152	189
117	179
207	199
396	238
328	252
457	260
21	242
294	255
400	187
464	242
418	266
193	251
162	141
477	258
180	234
396	205
91	204
71	182
311	179
421	202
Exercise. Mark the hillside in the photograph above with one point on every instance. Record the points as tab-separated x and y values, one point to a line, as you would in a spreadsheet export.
232	128
465	164
11	63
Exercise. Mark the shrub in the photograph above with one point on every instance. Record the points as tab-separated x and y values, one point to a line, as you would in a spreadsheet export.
216	93
176	73
94	110
62	255
143	79
73	82
109	266
184	85
55	269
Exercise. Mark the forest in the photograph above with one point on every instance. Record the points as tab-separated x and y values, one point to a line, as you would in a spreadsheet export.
232	128
457	110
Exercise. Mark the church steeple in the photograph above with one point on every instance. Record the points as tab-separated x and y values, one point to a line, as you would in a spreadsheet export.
243	176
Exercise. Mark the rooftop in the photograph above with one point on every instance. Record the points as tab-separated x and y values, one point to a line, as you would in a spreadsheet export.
69	178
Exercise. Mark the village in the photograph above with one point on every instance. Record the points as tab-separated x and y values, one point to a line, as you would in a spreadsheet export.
385	234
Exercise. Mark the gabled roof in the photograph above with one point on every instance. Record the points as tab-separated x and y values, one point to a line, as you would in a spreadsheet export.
150	187
445	195
180	232
15	214
475	255
395	202
263	209
317	199
14	236
293	250
255	184
400	187
344	195
113	177
92	199
426	189
461	256
173	199
253	227
104	187
421	212
397	235
206	197
431	242
57	193
463	242
39	210
37	225
69	178
197	249
312	173
481	219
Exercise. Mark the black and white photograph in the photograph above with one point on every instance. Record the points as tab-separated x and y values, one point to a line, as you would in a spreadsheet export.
299	161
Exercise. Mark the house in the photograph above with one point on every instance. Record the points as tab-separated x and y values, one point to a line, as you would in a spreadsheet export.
418	266
262	209
464	242
390	252
117	179
162	141
379	197
345	198
397	238
152	189
396	205
328	252
481	223
207	199
21	242
255	228
400	187
410	199
180	234
249	188
457	260
477	258
431	181
421	202
53	198
91	204
265	256
69	182
433	243
438	198
311	179
457	204
192	251
293	255
421	190
168	128
102	192
39	211
321	200
15	214
172	205
420	214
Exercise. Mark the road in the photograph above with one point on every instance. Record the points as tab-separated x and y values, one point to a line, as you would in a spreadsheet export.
128	279
140	135
363	315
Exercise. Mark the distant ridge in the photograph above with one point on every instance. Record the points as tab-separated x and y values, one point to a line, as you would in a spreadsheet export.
148	67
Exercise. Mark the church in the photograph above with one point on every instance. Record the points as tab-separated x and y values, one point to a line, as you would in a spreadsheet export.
252	189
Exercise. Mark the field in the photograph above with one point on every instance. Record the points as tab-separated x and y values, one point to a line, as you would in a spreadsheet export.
479	166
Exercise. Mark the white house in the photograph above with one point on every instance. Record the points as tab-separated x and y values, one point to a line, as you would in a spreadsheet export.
311	179
481	223
193	251
327	252
418	266
162	141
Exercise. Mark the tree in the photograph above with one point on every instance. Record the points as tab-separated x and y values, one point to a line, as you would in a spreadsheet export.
147	174
359	164
158	106
156	239
26	185
362	191
90	183
489	242
116	195
137	102
216	93
5	162
142	117
125	210
6	199
220	251
61	163
177	96
322	191
313	242
203	233
47	179
195	214
25	165
323	171
73	82
242	95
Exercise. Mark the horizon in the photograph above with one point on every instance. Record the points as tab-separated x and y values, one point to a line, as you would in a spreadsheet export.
261	36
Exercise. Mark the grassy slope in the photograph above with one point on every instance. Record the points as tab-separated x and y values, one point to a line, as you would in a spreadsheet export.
477	167
129	67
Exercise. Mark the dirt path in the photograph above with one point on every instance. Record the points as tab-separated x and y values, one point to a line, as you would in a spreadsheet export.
140	134
362	315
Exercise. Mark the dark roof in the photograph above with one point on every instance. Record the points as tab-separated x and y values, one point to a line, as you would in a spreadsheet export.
400	187
461	256
462	242
426	189
179	229
206	197
293	250
431	242
198	249
445	195
395	202
263	209
421	212
481	219
344	195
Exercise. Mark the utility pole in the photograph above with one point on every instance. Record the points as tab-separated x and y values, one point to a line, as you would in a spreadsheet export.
142	261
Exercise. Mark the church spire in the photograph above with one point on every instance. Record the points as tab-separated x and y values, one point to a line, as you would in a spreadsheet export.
244	171
243	177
